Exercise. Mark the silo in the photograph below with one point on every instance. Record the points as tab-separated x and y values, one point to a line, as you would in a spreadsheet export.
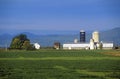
95	36
91	44
82	36
75	40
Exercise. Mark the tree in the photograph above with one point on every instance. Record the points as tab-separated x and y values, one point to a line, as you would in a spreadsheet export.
20	42
25	45
101	46
16	43
31	47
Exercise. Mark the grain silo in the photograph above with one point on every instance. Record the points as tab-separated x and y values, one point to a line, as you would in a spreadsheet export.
91	44
95	36
75	40
82	36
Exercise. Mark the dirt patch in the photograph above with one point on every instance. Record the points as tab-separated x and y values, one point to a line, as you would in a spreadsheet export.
112	53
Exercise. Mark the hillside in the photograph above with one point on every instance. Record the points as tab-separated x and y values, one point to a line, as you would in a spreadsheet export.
112	35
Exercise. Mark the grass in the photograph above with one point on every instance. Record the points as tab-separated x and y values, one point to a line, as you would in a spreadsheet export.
59	64
50	53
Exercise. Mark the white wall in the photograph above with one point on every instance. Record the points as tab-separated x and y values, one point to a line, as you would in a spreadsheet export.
85	45
37	46
76	46
107	44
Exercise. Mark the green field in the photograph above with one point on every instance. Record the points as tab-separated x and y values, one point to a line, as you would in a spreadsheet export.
60	64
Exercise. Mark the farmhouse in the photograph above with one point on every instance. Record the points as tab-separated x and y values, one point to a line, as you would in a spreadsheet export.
36	45
57	45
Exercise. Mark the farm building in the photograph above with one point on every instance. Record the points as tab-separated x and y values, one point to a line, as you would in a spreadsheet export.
76	46
57	45
107	45
36	45
94	43
87	46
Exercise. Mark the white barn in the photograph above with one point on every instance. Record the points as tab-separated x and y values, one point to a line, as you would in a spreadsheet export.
86	46
107	45
93	44
37	46
76	46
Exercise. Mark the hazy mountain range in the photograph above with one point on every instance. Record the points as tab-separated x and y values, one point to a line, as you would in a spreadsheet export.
112	35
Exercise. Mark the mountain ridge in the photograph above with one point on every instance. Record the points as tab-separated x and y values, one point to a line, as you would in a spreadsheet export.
112	35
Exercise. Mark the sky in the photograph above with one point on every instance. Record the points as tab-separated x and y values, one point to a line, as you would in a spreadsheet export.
59	14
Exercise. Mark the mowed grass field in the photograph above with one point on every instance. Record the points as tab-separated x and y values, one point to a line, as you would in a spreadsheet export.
60	64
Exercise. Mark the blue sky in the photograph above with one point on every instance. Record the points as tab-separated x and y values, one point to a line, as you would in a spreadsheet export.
59	14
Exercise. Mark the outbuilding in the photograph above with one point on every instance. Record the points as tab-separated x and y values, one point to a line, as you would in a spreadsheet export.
107	45
76	46
37	46
87	46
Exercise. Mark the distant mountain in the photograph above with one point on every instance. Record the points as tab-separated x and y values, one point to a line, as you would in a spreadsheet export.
112	35
29	35
5	36
5	39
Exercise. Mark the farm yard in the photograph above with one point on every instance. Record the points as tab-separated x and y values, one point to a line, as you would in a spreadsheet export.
60	64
